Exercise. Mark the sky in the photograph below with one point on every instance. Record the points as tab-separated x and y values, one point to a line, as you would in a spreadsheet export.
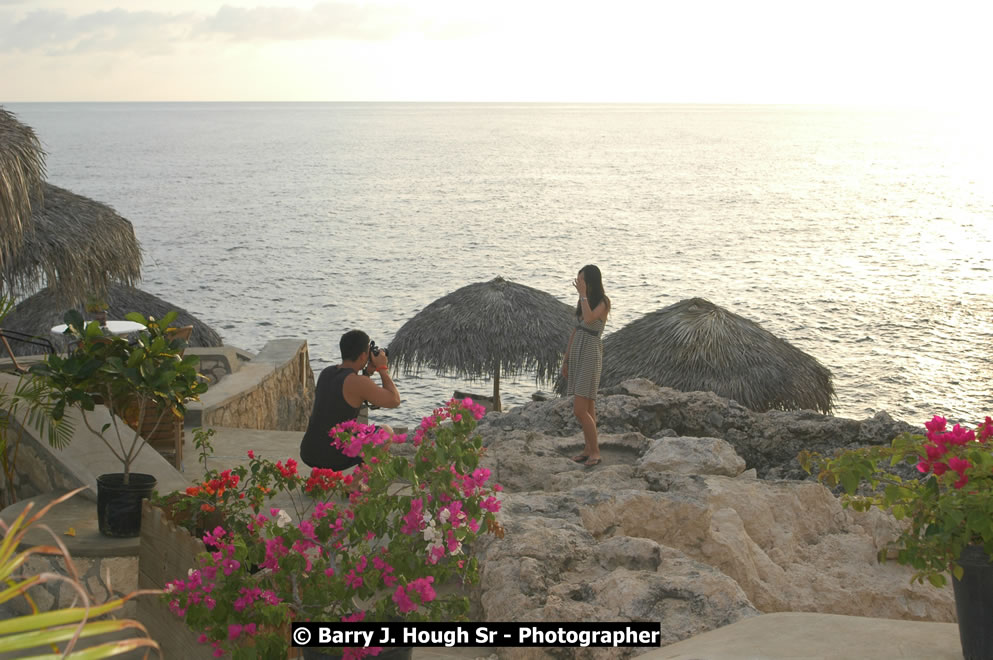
878	52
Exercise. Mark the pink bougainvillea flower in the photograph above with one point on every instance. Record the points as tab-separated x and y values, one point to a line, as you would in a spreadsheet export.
435	553
959	465
413	522
936	424
960	436
353	580
422	586
934	452
939	468
403	601
452	543
985	429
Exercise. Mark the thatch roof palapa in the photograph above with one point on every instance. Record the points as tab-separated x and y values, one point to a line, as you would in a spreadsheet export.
50	236
22	168
488	328
39	313
78	246
695	345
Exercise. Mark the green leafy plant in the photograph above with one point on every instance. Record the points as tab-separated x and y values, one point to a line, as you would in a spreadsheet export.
134	379
33	397
95	304
64	626
375	545
946	509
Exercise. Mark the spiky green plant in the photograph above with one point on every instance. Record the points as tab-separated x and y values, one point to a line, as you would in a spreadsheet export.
63	626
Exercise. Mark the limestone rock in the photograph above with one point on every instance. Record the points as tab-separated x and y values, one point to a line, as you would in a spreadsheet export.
769	442
548	568
674	529
692	456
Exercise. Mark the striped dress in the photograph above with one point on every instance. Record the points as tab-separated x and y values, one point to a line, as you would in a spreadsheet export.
585	359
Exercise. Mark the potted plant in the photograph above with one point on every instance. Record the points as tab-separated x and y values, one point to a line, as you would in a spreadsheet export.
375	545
146	377
947	509
97	308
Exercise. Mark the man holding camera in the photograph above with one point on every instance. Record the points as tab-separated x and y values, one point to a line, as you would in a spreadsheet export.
341	391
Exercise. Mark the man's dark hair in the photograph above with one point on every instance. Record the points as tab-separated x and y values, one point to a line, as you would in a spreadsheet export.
352	344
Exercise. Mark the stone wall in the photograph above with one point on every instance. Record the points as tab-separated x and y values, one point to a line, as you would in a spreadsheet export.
275	392
35	472
93	572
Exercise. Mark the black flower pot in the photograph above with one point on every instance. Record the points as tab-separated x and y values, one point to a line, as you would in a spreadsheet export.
119	504
974	603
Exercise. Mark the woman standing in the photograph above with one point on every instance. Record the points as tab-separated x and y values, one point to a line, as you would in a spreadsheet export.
584	357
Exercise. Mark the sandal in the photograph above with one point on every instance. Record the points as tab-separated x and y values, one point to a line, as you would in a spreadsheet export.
582	458
593	462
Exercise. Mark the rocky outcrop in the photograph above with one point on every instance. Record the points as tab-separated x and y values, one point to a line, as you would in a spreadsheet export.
769	442
674	528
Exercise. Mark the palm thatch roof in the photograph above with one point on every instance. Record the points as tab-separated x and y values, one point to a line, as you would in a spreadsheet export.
76	246
695	345
39	313
22	168
486	329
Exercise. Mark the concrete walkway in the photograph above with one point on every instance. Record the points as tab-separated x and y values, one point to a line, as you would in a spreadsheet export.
791	636
805	636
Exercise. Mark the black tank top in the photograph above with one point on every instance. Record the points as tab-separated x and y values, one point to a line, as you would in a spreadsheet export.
330	409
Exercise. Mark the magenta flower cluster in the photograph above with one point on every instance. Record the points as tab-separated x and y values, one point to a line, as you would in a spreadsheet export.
944	510
940	442
385	536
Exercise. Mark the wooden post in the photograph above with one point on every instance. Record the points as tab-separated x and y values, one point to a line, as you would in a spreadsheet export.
496	389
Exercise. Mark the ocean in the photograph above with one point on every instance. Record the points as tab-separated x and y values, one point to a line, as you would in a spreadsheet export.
861	236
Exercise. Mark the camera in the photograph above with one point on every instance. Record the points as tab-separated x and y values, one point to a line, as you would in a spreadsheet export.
376	349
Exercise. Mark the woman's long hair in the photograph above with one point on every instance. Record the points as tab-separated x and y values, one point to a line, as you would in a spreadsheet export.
594	289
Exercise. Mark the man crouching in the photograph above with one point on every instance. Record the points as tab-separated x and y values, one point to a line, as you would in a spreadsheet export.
341	391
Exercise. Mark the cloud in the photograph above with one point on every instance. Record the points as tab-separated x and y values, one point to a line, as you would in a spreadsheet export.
55	32
115	30
326	20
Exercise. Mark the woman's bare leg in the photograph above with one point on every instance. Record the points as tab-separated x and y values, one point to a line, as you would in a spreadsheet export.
585	412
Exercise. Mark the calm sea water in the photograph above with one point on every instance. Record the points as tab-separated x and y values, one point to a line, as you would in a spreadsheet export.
864	237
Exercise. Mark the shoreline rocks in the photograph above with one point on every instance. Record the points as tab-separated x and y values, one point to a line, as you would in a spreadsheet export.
769	441
677	528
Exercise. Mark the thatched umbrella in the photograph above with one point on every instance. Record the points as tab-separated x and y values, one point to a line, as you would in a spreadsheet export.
694	345
22	168
496	327
78	245
73	244
39	313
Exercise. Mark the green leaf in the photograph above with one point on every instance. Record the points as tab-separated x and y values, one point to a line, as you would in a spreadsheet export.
850	482
59	409
937	579
137	318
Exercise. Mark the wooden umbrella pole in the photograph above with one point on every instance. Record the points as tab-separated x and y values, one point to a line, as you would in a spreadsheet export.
496	389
